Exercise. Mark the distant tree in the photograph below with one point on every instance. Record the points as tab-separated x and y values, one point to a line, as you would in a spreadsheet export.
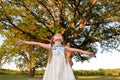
82	23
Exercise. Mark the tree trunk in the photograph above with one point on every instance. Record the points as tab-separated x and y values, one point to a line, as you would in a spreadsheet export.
32	72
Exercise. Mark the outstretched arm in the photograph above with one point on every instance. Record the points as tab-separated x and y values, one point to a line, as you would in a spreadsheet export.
46	46
74	50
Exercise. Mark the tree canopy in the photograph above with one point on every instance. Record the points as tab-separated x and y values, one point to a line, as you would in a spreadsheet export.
82	23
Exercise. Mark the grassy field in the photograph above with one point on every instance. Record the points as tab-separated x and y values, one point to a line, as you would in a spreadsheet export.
98	78
24	77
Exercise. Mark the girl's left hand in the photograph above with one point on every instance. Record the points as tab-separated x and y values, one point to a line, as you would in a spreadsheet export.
90	54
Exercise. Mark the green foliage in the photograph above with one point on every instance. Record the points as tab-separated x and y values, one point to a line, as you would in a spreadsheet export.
82	23
100	72
39	72
12	72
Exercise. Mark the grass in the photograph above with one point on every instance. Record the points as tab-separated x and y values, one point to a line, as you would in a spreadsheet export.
25	77
18	77
98	78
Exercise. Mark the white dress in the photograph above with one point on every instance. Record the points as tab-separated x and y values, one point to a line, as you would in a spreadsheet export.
58	69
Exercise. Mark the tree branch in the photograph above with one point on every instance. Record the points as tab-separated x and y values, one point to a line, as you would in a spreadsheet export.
15	27
34	15
37	18
88	41
60	13
49	11
83	23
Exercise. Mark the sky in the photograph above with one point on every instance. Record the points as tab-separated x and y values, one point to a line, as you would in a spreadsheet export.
106	60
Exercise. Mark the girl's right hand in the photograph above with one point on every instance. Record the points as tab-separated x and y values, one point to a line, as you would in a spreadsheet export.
20	42
90	53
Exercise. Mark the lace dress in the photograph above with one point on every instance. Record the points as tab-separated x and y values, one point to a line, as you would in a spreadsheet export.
58	69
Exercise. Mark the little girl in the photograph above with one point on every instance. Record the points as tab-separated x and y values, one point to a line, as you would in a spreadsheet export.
58	67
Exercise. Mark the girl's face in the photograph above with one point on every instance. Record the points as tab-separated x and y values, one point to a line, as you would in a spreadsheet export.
57	37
